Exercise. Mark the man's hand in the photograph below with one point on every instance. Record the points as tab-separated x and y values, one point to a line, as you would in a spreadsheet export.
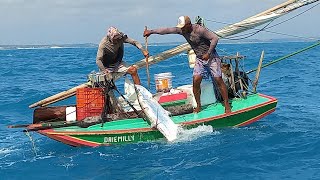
145	53
205	57
146	33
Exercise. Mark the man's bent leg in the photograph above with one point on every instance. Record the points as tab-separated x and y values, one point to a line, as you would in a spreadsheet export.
197	91
224	93
134	74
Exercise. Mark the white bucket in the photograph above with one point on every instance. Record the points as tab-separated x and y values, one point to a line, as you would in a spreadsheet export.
163	81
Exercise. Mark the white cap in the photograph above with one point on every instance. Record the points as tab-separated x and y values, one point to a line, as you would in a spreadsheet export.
182	21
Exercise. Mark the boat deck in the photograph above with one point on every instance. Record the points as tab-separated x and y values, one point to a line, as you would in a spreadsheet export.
209	113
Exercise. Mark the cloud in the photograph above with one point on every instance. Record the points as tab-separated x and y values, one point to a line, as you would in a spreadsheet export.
61	21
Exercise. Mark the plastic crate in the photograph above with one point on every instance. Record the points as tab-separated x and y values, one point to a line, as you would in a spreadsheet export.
90	102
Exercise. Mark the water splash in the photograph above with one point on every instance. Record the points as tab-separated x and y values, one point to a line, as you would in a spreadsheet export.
195	133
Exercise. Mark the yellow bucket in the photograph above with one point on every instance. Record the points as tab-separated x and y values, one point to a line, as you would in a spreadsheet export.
163	81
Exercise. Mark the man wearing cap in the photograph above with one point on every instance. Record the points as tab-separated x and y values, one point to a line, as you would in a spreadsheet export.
111	50
203	42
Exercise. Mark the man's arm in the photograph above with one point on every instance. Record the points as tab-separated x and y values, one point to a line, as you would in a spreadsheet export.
133	42
162	31
137	44
99	58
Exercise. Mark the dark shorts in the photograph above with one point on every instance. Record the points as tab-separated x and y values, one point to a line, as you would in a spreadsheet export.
117	70
213	65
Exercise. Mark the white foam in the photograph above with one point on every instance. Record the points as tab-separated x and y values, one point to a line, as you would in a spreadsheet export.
43	47
28	48
45	157
6	151
56	47
194	133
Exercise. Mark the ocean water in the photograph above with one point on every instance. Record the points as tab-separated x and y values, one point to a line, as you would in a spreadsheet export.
283	145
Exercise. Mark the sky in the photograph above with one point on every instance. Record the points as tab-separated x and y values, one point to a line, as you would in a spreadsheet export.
36	22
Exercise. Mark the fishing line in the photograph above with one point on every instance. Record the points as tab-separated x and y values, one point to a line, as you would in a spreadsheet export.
285	57
32	142
136	92
279	33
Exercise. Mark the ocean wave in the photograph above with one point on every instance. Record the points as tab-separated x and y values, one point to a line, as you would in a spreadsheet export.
27	48
40	47
56	47
5	151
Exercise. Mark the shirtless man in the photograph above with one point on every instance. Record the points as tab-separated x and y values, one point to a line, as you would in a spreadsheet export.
203	42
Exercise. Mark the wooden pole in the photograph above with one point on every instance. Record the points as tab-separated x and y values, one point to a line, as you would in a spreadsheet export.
142	63
60	96
255	82
147	60
233	85
237	70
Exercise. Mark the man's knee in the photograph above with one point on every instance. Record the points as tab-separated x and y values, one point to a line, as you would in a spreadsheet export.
132	70
197	80
220	82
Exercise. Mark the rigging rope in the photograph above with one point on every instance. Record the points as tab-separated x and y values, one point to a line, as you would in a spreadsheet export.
247	35
294	16
285	57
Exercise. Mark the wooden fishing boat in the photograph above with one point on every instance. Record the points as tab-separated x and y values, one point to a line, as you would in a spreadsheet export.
53	122
245	111
116	127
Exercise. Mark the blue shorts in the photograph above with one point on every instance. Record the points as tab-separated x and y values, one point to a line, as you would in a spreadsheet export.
213	65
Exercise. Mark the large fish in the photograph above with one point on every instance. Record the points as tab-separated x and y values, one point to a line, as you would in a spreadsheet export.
156	114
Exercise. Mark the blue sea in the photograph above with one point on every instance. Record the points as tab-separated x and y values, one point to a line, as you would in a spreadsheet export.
282	145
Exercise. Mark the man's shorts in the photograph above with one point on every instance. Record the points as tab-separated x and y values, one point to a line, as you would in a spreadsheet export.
213	65
119	68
